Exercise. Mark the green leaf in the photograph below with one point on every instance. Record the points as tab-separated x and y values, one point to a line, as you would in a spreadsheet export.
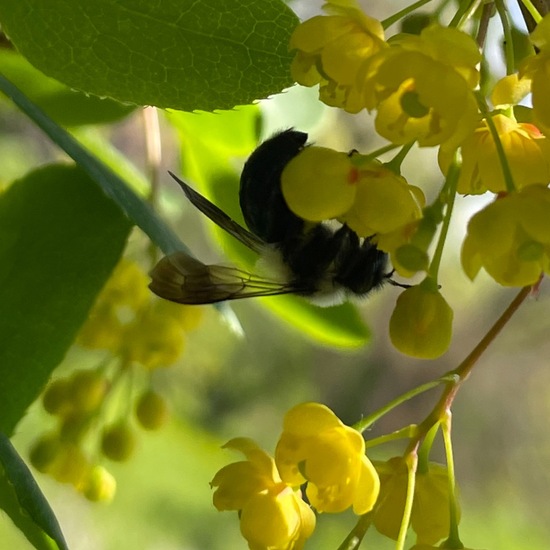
60	238
67	107
339	326
24	503
210	163
183	54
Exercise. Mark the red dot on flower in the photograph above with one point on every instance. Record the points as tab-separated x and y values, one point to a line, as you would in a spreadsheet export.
353	176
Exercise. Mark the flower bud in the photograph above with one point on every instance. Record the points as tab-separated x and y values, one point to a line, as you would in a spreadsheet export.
421	323
99	485
151	410
118	442
88	388
44	452
56	399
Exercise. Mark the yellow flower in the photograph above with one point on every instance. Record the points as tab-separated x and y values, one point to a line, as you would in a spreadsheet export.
509	91
510	238
421	323
321	184
430	515
527	151
317	448
273	516
537	68
447	45
384	202
330	50
422	87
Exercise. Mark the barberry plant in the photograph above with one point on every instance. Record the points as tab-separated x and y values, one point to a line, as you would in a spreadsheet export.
423	88
425	75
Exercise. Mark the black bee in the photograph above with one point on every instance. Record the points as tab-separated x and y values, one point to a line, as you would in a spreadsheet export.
313	260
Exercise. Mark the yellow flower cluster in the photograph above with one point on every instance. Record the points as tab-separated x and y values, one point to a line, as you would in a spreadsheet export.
330	51
321	184
527	152
316	450
137	330
75	401
128	321
421	86
510	238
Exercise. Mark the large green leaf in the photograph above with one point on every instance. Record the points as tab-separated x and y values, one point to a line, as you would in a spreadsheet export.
183	54
209	157
22	500
60	238
67	107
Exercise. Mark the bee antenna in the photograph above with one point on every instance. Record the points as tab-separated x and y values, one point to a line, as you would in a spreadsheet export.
395	283
400	285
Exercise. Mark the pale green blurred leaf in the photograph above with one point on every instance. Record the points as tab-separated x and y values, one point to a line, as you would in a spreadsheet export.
67	107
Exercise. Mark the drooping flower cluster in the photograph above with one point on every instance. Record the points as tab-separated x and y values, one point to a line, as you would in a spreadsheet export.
423	89
322	184
136	330
128	322
330	51
421	86
316	450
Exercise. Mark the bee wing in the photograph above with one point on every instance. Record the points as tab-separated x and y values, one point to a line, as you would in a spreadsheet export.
220	218
183	279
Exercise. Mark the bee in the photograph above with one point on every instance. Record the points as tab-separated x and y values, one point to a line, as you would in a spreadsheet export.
324	264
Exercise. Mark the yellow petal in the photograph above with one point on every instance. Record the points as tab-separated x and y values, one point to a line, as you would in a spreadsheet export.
308	419
510	90
368	488
318	184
